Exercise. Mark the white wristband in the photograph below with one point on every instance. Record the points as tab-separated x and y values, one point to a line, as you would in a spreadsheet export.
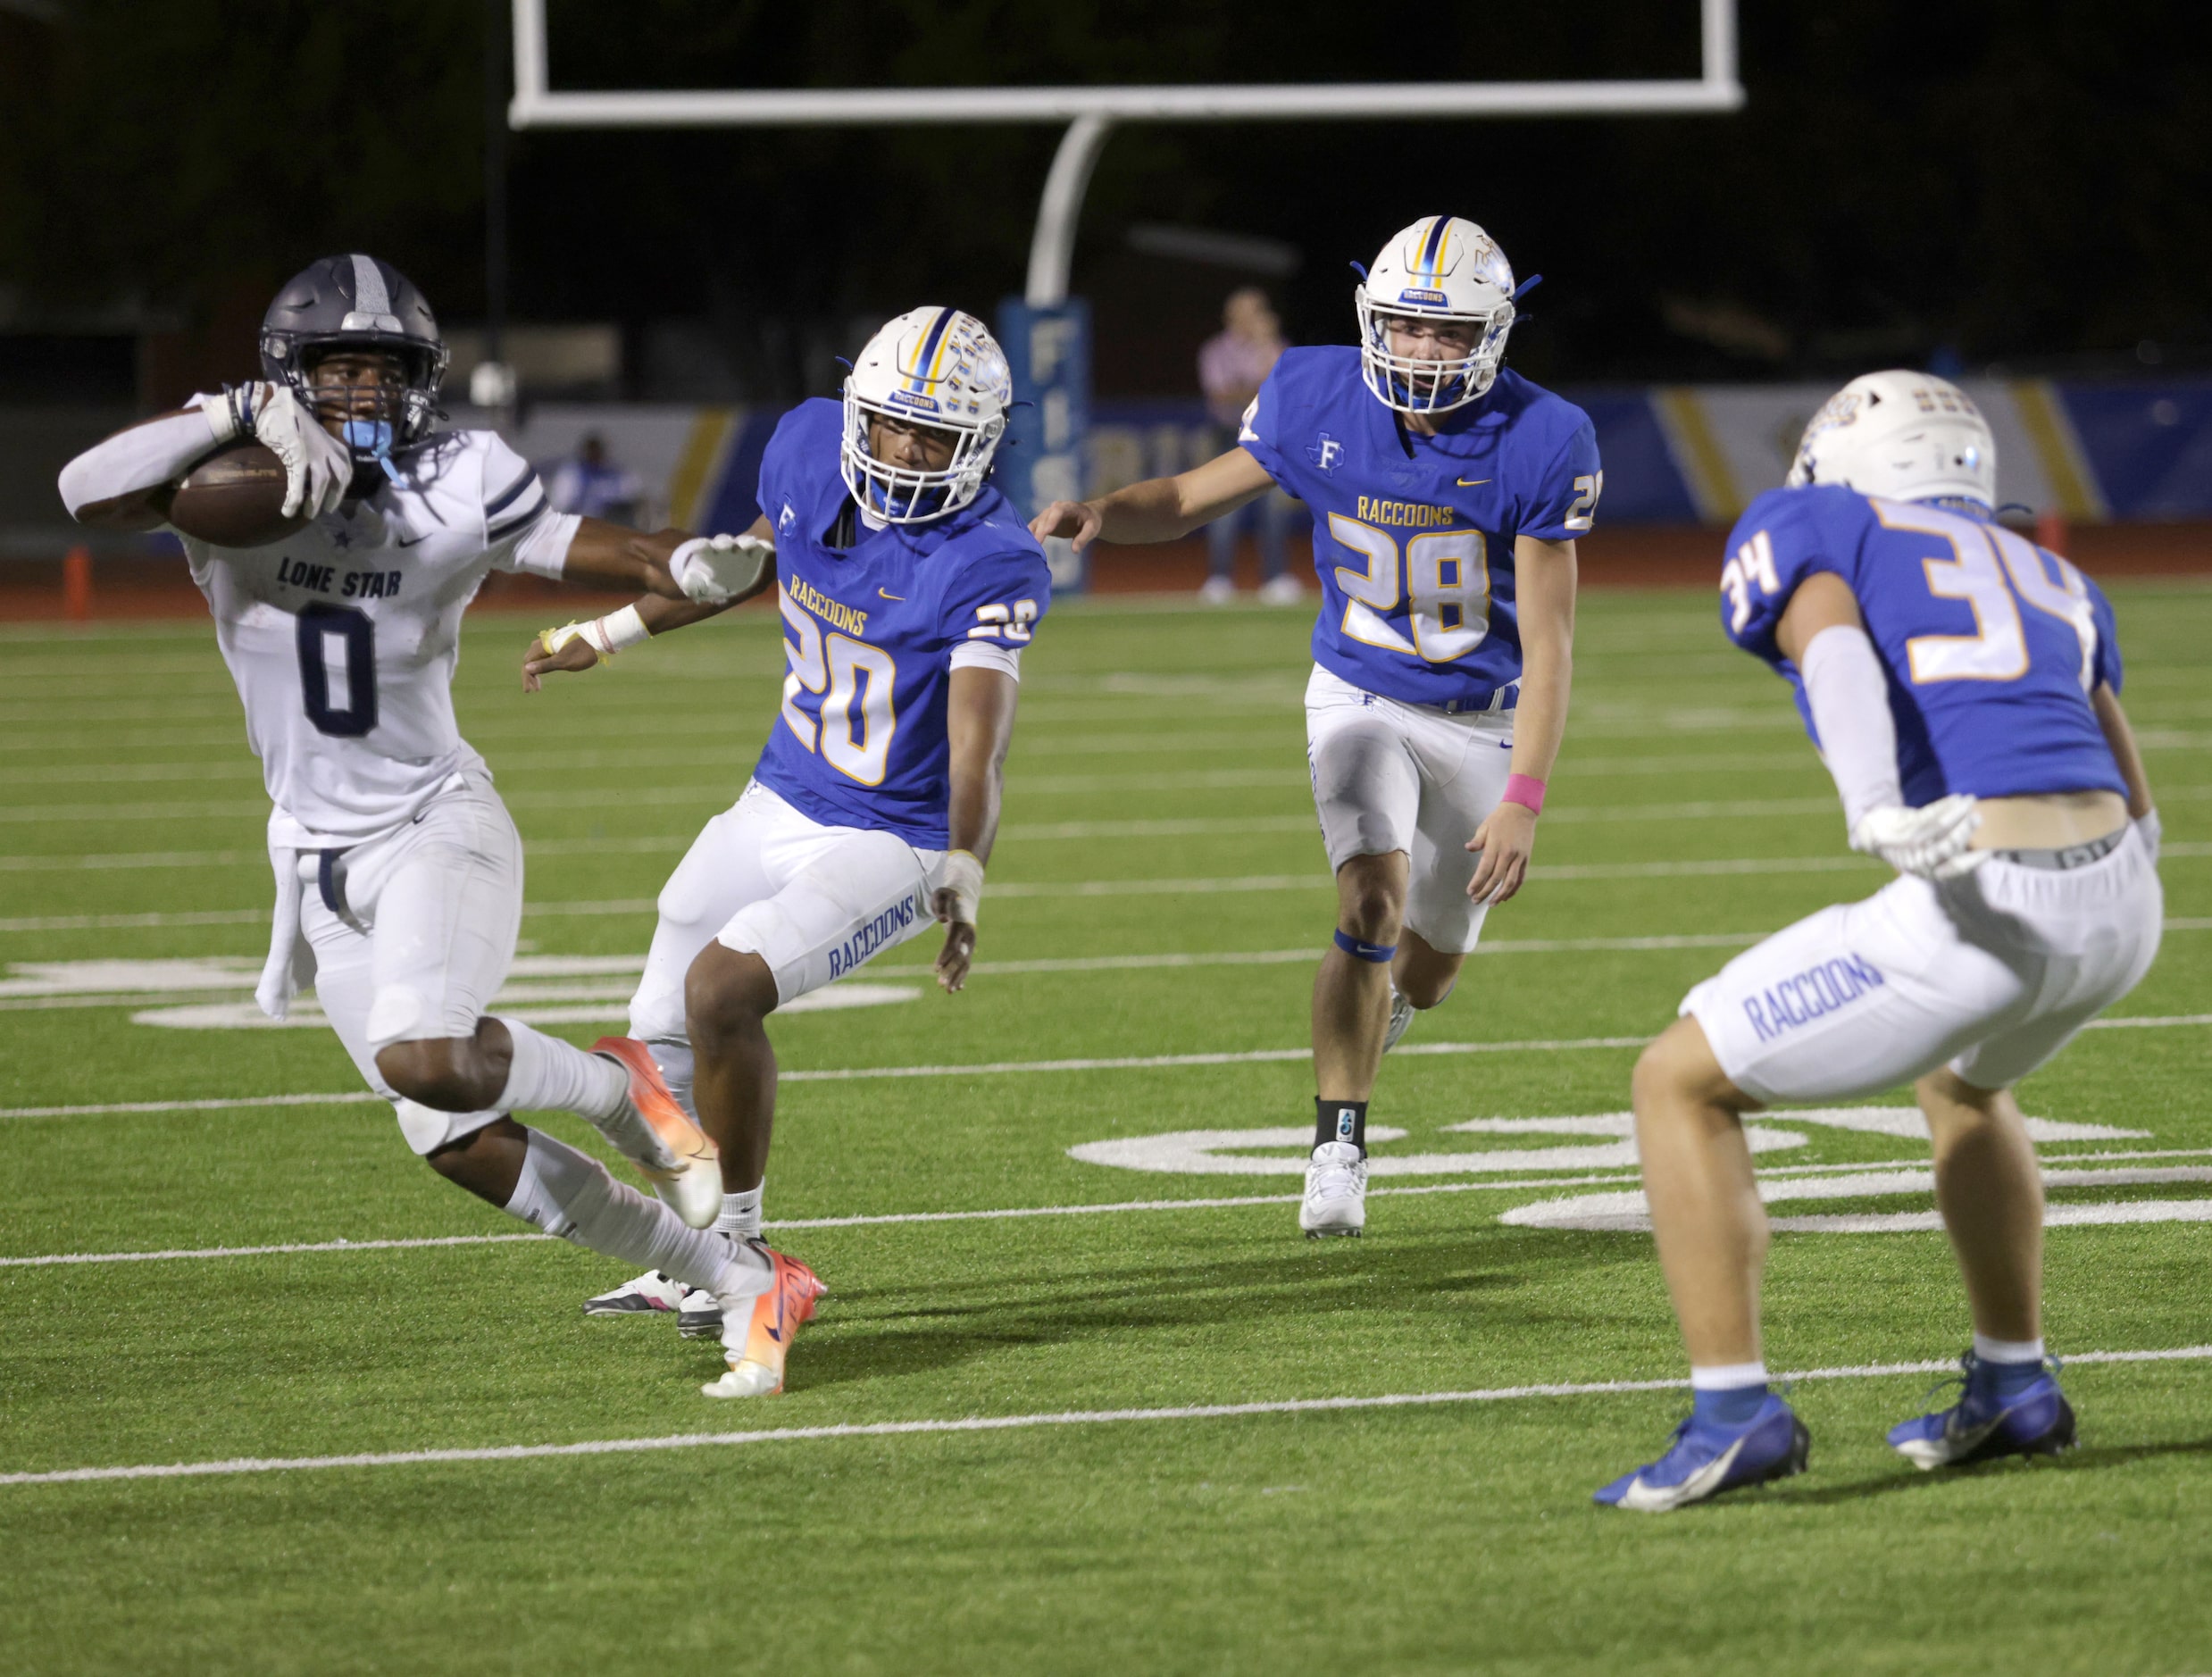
616	631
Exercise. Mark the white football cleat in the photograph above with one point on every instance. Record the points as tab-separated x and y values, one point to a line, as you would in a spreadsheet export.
698	1315
1283	590
757	1329
1217	591
654	1133
1401	1020
1336	1191
642	1296
697	1312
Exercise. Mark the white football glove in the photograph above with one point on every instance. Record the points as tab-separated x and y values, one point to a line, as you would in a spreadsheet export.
962	875
1929	842
714	569
2146	824
318	468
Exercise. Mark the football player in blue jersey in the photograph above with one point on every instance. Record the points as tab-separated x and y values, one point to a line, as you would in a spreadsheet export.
1447	495
1963	688
909	589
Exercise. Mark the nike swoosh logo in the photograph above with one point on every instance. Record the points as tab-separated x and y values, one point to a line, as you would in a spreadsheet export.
1468	483
888	594
405	541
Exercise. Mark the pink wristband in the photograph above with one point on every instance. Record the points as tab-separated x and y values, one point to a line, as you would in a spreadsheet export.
1526	790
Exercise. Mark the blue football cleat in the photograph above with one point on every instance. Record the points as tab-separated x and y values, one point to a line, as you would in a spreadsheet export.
2034	1420
1706	1459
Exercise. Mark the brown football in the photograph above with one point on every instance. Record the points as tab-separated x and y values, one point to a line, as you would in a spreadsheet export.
234	499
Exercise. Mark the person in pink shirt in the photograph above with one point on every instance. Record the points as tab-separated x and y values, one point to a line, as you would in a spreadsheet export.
1233	365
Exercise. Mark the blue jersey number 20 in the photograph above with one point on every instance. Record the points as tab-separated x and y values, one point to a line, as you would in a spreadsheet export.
337	669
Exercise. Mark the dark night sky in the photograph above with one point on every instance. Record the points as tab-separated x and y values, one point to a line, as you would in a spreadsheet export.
2028	181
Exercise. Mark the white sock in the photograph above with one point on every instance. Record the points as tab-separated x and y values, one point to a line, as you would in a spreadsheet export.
570	1196
741	1213
547	1074
679	1070
1989	1350
1727	1376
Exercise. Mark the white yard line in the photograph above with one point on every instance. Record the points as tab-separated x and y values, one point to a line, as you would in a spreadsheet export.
1257	1056
1006	1423
118	923
1191	779
1494	1184
1008	889
41	995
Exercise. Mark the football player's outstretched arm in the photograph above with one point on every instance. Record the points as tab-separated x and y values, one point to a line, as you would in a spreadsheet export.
978	721
1544	579
123	482
1159	509
604	555
577	647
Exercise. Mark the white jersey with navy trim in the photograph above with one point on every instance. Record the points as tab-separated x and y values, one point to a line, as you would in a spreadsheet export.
343	638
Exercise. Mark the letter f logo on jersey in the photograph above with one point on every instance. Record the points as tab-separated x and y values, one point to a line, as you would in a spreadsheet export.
1325	452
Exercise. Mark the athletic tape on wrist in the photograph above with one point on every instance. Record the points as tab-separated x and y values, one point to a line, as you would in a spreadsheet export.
1526	790
1379	953
617	631
962	874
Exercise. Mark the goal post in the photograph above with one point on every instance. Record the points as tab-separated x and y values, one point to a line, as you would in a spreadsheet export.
1091	114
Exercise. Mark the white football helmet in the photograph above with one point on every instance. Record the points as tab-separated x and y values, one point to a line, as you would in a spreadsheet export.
1907	436
933	367
1440	268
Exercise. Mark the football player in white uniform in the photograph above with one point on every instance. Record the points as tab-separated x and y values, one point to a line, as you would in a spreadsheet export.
909	589
398	871
1447	493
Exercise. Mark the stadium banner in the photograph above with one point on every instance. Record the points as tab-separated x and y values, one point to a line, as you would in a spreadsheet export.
1673	454
1045	455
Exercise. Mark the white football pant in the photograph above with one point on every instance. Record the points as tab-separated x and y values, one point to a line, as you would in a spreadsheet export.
415	935
1991	974
814	902
1391	776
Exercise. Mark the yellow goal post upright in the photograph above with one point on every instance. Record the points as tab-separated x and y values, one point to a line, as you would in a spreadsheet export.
1046	333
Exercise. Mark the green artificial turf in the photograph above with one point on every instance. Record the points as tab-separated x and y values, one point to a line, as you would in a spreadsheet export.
1156	805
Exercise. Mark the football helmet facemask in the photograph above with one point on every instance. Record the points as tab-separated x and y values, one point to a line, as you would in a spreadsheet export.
1441	268
1906	436
359	304
935	368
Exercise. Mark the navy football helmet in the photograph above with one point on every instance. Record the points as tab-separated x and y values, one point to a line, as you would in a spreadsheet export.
356	303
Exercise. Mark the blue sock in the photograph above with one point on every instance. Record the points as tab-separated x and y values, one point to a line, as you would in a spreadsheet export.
2008	1380
1728	1408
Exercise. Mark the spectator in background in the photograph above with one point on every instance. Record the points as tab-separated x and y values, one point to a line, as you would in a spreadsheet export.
593	486
1233	365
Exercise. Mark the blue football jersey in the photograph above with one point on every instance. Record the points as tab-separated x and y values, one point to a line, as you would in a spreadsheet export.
1992	645
870	632
1413	535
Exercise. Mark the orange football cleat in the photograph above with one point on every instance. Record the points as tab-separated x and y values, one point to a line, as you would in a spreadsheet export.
654	1133
756	1339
